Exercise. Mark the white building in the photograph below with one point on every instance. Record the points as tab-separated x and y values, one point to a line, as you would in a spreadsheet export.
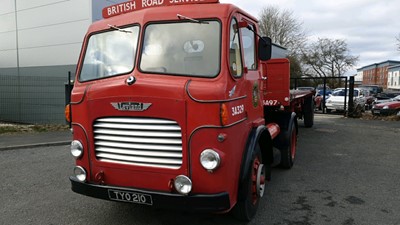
40	42
44	33
394	78
358	78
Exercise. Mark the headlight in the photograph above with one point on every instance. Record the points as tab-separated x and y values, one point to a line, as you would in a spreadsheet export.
210	159
385	107
80	173
183	184
76	149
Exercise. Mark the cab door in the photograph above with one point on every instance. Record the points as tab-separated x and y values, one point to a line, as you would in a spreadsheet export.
251	72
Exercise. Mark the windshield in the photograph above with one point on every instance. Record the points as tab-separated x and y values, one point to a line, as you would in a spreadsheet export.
110	53
342	92
184	48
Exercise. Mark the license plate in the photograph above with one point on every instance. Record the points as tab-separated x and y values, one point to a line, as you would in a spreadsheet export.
132	197
377	111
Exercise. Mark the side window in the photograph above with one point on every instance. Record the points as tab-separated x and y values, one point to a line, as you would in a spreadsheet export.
248	39
235	57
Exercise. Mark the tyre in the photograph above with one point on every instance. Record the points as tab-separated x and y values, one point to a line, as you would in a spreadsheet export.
328	110
288	153
308	112
252	189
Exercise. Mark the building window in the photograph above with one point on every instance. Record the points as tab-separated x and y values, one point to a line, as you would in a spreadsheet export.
399	81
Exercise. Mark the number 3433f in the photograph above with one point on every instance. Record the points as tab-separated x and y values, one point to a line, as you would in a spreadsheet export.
236	110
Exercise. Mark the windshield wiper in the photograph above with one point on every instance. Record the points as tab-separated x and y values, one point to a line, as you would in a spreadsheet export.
119	29
190	19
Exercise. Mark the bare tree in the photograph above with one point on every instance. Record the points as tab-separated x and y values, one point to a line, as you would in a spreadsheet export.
283	28
328	58
398	42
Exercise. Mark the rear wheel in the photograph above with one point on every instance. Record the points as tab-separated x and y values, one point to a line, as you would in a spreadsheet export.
253	189
308	112
288	153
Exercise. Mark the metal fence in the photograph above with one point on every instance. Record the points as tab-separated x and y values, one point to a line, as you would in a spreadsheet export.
32	99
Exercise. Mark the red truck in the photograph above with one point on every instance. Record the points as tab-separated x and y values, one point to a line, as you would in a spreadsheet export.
178	104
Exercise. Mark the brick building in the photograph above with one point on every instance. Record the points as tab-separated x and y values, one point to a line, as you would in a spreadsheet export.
377	73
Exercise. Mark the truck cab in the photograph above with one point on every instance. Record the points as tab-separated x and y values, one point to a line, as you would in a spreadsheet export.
167	108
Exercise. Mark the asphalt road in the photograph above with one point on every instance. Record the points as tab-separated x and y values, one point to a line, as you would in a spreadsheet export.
346	172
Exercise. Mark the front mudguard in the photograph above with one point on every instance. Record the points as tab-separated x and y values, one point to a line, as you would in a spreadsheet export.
258	136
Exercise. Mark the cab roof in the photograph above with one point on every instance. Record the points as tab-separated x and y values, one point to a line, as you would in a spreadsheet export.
169	13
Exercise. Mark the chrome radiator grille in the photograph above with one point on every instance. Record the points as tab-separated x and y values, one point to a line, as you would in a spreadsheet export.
138	141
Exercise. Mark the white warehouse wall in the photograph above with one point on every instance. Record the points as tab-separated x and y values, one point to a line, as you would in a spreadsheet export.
8	43
40	42
359	77
50	32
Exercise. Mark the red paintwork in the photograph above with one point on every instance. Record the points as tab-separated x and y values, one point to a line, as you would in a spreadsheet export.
277	87
273	129
135	5
391	105
277	83
318	101
195	103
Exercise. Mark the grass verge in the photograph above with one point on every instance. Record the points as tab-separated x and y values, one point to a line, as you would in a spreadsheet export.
19	128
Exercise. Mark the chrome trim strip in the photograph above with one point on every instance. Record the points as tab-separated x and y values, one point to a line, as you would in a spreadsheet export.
139	159
138	133
138	140
138	127
140	152
141	164
83	96
210	101
138	146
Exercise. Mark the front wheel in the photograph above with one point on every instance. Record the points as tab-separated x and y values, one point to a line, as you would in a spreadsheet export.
253	189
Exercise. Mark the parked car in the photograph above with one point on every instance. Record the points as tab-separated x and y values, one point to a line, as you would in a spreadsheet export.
379	101
319	97
374	89
336	99
305	88
387	108
369	98
387	95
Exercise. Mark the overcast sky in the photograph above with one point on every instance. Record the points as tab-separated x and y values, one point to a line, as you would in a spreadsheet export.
369	27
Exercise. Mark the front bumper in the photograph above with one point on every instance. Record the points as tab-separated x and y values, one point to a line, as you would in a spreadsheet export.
199	203
383	112
334	106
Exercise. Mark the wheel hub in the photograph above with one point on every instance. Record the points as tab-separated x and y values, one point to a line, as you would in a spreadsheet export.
260	180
